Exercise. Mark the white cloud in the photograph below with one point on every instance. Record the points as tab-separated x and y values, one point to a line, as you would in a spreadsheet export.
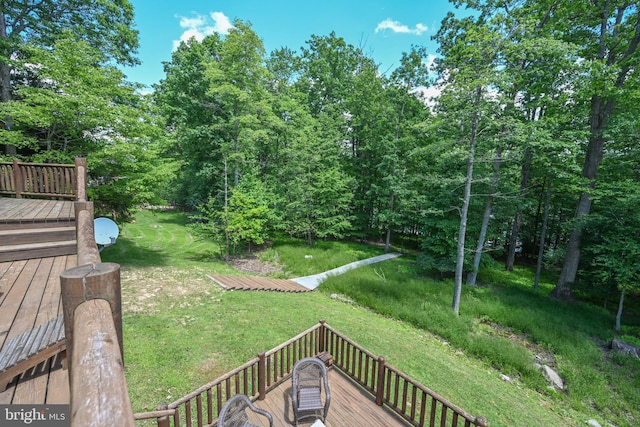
222	23
397	27
199	27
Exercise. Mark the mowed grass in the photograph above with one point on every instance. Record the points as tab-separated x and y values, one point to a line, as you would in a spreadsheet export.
181	330
298	259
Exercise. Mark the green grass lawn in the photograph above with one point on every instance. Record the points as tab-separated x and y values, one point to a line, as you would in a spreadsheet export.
181	330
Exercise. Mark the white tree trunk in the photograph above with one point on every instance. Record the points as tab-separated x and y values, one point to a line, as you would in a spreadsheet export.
465	208
473	274
620	305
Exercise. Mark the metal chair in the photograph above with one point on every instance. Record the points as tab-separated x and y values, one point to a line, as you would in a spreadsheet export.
234	413
310	391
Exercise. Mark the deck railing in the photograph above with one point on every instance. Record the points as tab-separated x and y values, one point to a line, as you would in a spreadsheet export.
91	299
41	179
414	402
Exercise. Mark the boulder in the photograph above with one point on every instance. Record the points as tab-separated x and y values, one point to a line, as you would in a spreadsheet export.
553	377
625	348
593	423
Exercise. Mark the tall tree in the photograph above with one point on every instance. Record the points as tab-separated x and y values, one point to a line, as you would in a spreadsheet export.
468	72
237	81
405	93
69	101
105	24
607	34
191	113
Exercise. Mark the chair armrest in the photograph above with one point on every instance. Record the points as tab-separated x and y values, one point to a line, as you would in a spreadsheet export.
262	412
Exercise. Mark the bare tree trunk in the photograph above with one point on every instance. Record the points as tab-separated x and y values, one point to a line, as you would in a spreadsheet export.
387	242
473	274
601	110
465	208
543	233
515	228
620	306
226	210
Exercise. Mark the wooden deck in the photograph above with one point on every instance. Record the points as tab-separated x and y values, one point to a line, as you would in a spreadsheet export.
25	211
29	297
350	406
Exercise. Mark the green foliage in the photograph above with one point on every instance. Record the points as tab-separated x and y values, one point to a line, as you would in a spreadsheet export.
104	24
246	220
77	102
126	175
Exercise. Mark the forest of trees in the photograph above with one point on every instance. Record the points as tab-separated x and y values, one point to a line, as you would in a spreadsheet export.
529	152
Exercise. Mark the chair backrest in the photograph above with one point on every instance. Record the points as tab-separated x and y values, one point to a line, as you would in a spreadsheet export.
309	372
234	412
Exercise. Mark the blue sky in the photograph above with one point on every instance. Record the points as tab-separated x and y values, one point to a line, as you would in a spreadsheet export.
383	28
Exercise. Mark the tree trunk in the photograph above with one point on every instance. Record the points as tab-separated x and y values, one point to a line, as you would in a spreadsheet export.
620	305
236	144
5	82
387	242
543	234
473	274
515	228
226	210
465	208
601	110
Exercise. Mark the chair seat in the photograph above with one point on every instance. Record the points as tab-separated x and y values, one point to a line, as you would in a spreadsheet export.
310	393
310	399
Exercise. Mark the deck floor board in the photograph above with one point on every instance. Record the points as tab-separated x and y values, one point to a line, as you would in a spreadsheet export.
29	297
350	406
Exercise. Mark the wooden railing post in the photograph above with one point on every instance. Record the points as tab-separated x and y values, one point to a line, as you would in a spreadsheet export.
163	421
380	381
84	283
481	422
17	176
322	334
262	376
88	252
99	393
81	179
93	332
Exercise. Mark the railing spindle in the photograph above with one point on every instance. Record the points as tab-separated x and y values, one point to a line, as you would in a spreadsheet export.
209	406
199	410
187	409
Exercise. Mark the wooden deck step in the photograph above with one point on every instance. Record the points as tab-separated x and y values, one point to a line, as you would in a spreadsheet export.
37	250
30	348
37	235
254	283
12	224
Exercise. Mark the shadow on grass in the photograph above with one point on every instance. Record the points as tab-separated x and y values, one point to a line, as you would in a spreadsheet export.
126	253
169	217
